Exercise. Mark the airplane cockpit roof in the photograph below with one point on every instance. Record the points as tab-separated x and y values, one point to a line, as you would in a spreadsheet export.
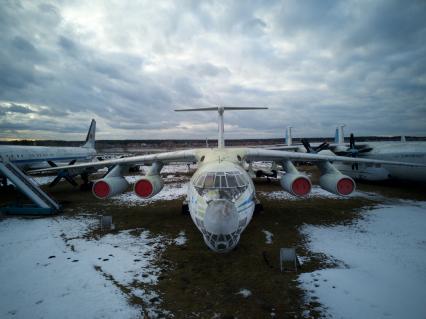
224	185
221	180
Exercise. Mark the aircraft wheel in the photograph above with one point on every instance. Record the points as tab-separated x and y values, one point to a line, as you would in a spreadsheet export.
185	209
258	209
86	186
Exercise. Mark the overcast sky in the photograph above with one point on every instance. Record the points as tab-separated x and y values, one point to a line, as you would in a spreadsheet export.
128	64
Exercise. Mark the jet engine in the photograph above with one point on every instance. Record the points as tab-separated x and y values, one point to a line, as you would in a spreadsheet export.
337	183
148	186
293	181
109	186
296	184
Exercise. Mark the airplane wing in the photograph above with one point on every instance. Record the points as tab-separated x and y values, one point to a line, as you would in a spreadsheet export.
186	156
284	147
273	155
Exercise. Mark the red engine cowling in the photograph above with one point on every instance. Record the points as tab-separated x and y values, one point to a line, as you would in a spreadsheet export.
296	184
338	184
148	186
109	186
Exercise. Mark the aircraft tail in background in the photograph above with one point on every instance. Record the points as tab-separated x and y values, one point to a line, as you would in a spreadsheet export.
90	139
339	136
288	137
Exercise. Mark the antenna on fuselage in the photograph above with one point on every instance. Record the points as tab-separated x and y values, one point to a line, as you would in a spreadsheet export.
221	110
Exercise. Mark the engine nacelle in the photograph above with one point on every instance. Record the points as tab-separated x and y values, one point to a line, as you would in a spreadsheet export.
296	184
338	184
109	186
148	186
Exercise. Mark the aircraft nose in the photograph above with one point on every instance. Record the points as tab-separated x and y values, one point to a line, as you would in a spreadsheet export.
221	217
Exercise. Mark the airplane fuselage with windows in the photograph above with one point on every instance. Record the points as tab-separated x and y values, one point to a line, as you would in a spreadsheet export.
221	198
411	152
35	157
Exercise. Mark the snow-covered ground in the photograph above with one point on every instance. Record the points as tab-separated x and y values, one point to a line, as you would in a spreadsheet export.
48	270
169	192
316	192
39	180
383	272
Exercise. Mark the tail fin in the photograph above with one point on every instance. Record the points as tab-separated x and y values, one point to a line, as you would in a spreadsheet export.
90	139
339	136
220	110
288	137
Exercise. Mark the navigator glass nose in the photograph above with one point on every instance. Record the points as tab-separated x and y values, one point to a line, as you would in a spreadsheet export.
221	217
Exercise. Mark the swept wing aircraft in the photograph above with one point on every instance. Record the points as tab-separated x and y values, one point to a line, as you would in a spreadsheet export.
221	194
37	157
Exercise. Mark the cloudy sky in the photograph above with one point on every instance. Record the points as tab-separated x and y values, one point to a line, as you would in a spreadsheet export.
128	64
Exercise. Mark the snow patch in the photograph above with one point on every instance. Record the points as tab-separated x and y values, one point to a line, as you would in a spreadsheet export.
268	235
316	192
169	192
181	239
245	293
48	270
386	256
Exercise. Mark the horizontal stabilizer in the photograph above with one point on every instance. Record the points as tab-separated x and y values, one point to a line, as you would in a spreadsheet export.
221	110
225	108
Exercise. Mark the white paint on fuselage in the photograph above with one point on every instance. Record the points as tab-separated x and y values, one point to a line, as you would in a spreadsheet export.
217	161
409	152
35	157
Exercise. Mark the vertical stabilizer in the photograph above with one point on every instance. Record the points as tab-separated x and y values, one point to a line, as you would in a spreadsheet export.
339	137
90	139
288	137
221	110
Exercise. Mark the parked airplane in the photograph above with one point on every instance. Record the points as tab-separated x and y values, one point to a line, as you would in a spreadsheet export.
36	157
221	194
413	152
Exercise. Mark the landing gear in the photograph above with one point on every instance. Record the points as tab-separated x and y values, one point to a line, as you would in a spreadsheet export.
3	181
258	207
185	208
87	185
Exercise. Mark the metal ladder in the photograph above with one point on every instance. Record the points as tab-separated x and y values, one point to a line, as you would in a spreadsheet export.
26	185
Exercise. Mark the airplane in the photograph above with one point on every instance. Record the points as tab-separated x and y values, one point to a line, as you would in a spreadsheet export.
37	157
413	152
221	194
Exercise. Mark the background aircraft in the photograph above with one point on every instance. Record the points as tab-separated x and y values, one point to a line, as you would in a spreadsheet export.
411	152
221	194
36	157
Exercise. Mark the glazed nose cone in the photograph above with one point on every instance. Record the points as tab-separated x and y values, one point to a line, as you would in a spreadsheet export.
221	217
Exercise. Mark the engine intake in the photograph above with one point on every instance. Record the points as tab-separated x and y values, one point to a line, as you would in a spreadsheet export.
296	184
109	186
148	186
338	184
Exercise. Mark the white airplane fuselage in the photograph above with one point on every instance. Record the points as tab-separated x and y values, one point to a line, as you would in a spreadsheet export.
221	199
35	157
410	152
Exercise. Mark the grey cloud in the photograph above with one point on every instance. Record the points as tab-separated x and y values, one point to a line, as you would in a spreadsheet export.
68	45
185	87
358	62
14	108
209	69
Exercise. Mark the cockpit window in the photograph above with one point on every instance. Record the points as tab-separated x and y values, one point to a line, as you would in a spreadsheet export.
227	185
209	181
